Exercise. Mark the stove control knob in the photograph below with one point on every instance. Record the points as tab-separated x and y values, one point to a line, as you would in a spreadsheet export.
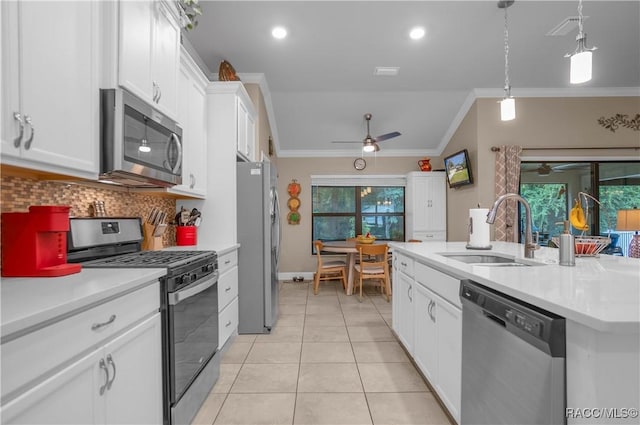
185	278
207	268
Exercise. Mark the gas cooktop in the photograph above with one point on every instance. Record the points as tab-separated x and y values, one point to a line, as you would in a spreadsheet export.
150	259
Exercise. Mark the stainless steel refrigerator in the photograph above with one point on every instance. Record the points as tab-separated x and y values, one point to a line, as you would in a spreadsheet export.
259	238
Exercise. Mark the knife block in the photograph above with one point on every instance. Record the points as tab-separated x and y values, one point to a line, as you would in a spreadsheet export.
150	242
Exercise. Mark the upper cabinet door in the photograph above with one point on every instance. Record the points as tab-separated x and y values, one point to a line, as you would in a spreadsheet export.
150	53
50	74
135	47
166	58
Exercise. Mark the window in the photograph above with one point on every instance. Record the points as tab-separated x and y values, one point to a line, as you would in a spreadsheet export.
341	212
551	188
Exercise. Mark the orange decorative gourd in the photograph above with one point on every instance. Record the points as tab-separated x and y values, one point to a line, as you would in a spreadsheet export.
424	164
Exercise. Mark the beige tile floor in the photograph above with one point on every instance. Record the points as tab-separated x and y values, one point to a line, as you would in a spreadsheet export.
329	360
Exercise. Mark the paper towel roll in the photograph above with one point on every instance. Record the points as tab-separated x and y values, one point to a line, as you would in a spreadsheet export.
478	228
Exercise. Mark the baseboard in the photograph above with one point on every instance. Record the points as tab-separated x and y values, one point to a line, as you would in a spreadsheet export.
291	275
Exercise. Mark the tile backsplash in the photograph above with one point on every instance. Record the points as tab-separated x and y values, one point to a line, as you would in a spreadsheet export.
19	193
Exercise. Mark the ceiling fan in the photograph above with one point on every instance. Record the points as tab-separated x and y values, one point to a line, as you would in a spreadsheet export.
370	144
543	169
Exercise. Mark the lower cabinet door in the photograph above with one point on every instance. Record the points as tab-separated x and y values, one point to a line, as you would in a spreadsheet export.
228	322
71	396
134	363
425	350
449	344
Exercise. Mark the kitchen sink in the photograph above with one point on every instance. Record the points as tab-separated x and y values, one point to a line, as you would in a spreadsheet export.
489	260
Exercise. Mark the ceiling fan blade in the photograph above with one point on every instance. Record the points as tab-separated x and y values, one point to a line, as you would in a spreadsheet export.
387	136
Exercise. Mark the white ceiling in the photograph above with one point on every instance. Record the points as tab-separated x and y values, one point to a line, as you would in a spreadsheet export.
321	78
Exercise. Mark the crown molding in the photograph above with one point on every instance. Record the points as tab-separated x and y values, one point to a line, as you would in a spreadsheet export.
388	153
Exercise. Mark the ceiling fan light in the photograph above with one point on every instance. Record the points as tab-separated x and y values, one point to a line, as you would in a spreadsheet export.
369	147
580	71
507	109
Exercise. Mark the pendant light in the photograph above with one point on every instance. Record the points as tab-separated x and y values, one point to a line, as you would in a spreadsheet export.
508	103
580	71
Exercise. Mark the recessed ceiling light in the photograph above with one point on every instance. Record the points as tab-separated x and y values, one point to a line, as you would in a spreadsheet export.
416	33
279	33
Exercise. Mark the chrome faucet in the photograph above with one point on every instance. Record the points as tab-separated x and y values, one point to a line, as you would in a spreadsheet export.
529	246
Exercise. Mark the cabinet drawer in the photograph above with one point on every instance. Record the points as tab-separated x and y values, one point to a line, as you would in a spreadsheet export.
430	236
228	322
404	264
227	261
448	287
30	356
227	288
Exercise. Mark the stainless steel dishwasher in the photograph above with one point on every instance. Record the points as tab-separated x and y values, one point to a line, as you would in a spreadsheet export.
513	360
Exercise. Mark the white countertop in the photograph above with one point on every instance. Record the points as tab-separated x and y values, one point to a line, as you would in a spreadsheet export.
27	302
602	293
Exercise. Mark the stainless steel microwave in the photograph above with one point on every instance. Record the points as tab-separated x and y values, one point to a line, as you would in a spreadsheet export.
139	146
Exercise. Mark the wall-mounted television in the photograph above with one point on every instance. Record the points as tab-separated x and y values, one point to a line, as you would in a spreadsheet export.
458	169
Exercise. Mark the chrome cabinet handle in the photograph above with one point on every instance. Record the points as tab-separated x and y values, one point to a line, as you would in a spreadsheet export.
97	326
430	311
103	366
113	365
155	91
17	140
409	291
159	93
226	325
227	262
193	181
27	144
228	289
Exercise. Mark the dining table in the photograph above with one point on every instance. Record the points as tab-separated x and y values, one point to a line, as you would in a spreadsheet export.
347	247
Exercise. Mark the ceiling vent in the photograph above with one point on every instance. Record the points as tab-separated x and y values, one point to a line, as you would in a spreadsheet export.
569	24
386	71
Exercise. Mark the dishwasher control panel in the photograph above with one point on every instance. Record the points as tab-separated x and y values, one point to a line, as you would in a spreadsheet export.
526	323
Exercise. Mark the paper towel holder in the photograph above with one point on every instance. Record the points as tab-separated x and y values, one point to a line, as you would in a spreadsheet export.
469	232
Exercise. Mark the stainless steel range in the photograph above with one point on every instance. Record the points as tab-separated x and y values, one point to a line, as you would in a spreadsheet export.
189	305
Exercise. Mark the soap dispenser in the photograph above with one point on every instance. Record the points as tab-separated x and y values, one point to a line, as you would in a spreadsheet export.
567	255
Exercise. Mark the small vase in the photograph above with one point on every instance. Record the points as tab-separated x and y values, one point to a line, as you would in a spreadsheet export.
424	164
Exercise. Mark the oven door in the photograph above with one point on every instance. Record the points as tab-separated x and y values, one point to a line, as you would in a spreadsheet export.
192	314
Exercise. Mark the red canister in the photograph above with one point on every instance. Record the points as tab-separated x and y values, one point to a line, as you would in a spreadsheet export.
186	235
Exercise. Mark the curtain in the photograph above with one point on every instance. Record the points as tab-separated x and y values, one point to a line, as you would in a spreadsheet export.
507	181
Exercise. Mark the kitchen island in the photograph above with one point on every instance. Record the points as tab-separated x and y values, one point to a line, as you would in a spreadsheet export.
599	297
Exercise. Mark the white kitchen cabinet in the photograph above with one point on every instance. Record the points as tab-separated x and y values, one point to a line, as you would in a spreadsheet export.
425	353
192	109
438	333
426	206
402	309
50	108
448	319
149	52
227	296
246	129
116	380
219	228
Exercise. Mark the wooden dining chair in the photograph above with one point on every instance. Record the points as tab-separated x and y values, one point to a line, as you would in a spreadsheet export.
328	270
376	269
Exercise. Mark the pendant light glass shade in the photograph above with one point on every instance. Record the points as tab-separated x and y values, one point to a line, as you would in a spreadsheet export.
507	109
581	58
580	71
508	103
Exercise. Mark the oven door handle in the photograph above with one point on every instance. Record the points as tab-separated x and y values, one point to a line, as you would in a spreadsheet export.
195	289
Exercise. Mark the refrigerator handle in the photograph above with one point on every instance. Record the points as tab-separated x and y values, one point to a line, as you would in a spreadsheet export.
277	224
